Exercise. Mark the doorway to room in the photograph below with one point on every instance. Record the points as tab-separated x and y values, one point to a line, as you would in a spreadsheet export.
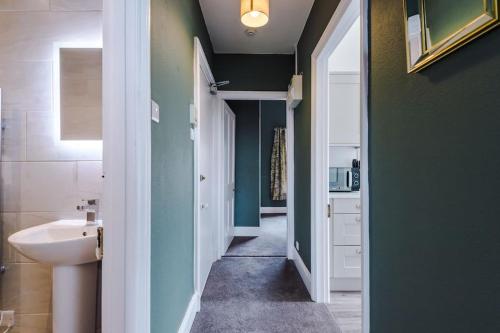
260	187
248	283
340	257
240	149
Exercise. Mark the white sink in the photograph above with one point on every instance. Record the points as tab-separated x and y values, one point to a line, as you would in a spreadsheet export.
70	247
64	242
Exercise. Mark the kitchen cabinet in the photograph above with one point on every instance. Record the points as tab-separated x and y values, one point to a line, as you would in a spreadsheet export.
345	118
345	244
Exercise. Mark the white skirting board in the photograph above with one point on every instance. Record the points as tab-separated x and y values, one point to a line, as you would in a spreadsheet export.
192	309
303	271
273	210
247	231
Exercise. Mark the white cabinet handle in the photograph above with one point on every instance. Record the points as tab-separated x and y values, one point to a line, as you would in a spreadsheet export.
358	219
204	205
358	205
358	251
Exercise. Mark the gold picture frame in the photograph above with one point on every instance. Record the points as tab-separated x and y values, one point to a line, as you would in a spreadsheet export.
435	28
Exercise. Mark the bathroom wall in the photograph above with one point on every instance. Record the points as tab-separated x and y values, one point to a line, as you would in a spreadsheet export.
42	179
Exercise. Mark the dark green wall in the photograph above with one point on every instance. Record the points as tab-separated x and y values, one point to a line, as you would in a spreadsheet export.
247	198
434	161
174	23
267	72
319	17
273	114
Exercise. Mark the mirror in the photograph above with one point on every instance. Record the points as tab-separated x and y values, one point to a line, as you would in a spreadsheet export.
434	28
80	87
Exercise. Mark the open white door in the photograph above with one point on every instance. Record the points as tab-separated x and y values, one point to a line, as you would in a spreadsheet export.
207	179
229	186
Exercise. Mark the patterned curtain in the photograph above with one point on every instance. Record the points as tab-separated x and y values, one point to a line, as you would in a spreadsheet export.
278	165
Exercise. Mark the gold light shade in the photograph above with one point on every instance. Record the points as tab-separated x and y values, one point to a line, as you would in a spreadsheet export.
254	13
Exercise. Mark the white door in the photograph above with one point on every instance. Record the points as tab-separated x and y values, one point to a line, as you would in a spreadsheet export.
207	181
229	137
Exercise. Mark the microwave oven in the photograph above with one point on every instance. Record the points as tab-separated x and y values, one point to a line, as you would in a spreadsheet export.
344	179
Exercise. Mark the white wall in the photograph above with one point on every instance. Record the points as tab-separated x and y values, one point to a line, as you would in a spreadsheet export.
342	156
42	179
347	56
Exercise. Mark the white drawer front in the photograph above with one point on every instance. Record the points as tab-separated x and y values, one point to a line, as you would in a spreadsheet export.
346	229
346	206
346	261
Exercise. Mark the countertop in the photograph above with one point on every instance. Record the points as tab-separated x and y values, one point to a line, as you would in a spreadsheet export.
344	195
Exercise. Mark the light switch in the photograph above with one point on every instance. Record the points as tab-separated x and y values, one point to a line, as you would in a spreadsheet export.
193	119
155	111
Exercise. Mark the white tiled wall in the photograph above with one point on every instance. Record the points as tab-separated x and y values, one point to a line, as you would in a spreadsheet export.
42	179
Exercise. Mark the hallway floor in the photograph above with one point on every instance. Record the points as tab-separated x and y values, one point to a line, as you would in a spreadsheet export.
271	242
259	295
255	288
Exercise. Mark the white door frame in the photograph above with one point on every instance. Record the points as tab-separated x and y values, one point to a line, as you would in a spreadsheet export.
127	166
276	96
222	246
345	14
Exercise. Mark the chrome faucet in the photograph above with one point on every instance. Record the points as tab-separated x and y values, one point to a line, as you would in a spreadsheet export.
92	209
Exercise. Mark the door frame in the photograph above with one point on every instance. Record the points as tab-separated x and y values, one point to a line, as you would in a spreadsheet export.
222	246
276	96
342	19
126	266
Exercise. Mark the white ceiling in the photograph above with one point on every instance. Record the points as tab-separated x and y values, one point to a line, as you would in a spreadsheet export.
286	22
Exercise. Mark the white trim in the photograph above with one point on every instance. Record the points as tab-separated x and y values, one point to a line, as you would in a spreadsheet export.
127	165
189	315
303	271
219	158
247	231
223	246
290	196
343	18
253	95
273	210
200	67
365	187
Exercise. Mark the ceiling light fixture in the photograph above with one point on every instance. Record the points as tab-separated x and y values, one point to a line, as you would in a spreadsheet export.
254	13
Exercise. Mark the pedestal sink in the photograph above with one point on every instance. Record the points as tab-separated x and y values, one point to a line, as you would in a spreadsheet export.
70	247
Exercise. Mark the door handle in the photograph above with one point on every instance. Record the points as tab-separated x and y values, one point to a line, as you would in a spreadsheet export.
202	178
